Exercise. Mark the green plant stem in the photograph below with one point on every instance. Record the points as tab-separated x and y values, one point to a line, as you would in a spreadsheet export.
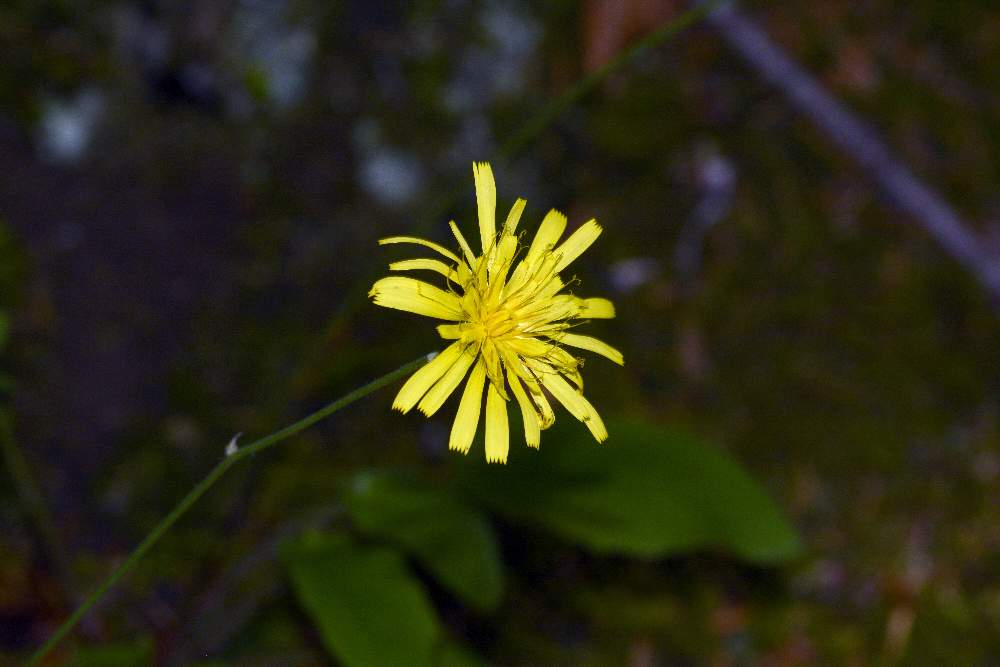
233	456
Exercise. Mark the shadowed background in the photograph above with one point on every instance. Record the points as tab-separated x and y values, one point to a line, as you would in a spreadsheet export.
190	198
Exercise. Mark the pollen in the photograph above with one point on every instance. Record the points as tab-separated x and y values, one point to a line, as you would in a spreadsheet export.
509	321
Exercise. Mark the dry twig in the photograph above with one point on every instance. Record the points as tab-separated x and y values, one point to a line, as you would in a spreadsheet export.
860	142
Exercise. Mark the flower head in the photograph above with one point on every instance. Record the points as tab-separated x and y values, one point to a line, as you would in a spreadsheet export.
509	323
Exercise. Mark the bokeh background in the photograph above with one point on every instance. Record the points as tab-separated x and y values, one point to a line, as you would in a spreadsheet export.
806	461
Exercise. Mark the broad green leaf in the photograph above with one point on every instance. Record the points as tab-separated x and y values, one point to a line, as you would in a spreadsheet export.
368	607
450	537
648	491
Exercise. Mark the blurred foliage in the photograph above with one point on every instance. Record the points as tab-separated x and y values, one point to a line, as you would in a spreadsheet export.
369	609
115	655
185	279
450	538
651	493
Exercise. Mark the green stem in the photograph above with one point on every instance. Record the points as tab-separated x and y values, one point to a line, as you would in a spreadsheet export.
233	456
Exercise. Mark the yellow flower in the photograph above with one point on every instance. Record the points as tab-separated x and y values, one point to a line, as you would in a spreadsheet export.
509	326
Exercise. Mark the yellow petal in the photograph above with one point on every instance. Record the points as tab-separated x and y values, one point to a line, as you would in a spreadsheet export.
470	257
486	199
506	250
425	265
464	274
577	405
443	388
546	416
597	309
451	331
592	344
472	299
528	346
552	227
425	377
465	332
513	217
494	371
549	289
559	307
565	363
463	431
500	264
557	361
531	278
416	296
532	433
549	330
497	429
577	242
424	242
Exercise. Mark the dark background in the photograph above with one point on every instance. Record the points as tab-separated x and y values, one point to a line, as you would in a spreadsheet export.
191	195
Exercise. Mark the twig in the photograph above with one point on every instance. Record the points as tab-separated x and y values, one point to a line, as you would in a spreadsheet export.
231	458
860	142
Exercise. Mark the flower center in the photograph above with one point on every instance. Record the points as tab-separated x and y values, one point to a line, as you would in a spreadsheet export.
497	323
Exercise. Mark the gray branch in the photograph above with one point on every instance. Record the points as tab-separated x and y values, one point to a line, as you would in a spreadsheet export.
859	141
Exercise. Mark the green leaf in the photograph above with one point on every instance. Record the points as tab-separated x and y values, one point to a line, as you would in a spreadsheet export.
452	539
132	654
368	607
648	491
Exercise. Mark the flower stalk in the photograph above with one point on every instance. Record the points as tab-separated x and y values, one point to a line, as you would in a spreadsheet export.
231	458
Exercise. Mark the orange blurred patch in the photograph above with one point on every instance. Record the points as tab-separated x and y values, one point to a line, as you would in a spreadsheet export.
611	25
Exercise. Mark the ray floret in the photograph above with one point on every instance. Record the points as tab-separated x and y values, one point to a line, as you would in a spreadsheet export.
507	319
